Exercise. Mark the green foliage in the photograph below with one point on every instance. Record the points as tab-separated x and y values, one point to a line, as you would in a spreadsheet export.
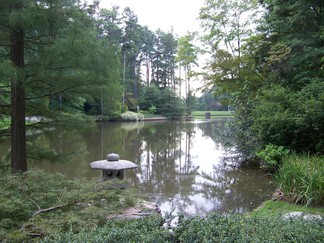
277	209
242	228
132	116
149	97
273	79
144	230
152	109
301	178
4	123
292	119
163	59
272	156
36	203
170	105
165	101
212	228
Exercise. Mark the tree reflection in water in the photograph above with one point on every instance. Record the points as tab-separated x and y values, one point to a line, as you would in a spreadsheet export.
187	167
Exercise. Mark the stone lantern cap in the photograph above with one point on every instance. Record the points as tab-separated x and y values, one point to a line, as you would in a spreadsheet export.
113	163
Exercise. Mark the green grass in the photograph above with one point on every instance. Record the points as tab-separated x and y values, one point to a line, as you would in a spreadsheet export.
213	113
301	179
279	208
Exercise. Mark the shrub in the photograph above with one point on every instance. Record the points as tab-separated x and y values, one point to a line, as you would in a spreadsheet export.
37	203
301	178
272	156
142	230
242	228
212	228
132	116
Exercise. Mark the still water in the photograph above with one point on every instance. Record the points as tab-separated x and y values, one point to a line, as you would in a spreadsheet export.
186	167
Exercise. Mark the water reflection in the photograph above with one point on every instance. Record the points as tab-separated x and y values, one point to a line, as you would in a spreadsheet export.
183	166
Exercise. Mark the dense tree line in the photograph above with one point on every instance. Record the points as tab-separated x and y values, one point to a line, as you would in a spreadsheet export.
59	58
269	70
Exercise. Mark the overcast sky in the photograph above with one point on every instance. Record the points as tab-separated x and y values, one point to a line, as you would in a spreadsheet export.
180	14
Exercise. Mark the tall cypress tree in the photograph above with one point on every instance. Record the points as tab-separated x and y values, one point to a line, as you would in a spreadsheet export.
52	58
18	133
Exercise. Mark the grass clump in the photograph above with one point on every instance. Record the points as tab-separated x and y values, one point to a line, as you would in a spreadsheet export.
301	179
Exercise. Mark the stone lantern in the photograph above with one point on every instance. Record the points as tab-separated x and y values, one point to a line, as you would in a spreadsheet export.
112	167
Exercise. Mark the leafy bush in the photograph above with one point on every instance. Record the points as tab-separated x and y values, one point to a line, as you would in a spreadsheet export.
212	228
272	156
132	116
301	178
241	228
143	230
290	118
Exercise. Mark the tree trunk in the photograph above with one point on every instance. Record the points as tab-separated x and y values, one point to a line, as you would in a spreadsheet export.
18	130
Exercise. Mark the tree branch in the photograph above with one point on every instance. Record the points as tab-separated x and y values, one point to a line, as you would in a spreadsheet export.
57	206
48	209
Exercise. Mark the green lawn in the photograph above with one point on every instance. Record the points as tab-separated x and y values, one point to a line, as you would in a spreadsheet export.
212	113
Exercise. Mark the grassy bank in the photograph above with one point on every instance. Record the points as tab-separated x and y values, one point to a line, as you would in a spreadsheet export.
279	208
213	114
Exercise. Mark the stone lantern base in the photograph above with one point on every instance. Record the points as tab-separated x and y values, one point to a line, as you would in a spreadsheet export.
112	174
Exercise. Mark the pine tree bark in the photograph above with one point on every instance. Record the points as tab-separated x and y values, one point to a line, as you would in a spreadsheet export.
18	130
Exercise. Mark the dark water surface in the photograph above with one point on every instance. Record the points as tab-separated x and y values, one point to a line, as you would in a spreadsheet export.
187	167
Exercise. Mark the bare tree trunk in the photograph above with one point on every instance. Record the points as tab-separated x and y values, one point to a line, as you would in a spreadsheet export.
18	130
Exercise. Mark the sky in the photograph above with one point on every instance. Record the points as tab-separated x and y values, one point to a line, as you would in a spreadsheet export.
180	14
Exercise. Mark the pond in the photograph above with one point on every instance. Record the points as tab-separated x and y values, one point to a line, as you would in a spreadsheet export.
186	167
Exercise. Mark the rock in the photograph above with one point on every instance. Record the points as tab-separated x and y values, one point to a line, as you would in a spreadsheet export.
311	217
292	215
298	215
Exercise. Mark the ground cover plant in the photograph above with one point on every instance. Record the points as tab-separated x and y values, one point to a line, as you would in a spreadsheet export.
212	228
245	228
37	204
